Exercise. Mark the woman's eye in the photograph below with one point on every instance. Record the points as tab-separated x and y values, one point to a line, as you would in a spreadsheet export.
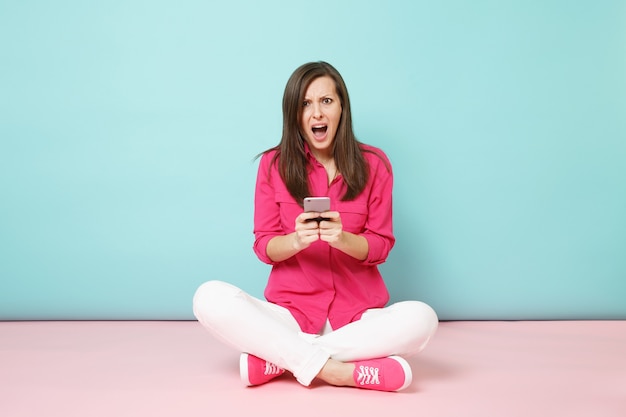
305	103
327	101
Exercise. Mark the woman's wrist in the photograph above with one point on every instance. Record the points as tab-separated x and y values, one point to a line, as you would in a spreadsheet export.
356	246
295	243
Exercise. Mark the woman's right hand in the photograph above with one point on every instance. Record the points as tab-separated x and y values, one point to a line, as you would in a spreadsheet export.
283	247
307	230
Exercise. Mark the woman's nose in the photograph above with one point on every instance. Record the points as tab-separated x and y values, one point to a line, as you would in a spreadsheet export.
317	111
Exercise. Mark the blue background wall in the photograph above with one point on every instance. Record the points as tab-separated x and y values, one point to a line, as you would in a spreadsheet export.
128	131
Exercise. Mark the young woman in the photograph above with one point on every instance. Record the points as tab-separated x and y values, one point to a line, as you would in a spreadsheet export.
326	314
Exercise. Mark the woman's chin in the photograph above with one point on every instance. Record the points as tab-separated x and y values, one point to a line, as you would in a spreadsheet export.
320	144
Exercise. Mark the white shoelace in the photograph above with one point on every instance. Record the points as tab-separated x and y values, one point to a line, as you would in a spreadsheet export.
271	369
367	375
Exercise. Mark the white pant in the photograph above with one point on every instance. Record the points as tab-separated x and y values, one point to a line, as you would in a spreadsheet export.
269	331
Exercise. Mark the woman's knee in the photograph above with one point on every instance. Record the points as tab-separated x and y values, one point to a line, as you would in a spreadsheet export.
420	313
211	297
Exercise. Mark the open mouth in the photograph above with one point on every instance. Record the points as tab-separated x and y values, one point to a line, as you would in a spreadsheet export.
319	131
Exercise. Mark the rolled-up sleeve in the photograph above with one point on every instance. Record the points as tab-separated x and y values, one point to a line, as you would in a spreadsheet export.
266	209
379	226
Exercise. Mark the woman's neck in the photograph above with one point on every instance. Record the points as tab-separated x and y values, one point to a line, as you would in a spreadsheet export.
323	158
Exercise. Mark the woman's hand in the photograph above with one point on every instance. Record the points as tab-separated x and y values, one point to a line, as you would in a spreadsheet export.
330	229
306	230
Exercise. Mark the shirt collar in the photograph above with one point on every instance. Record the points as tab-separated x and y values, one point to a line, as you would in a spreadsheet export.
307	152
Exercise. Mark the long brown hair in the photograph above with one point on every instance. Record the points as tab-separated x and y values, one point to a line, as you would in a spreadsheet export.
347	151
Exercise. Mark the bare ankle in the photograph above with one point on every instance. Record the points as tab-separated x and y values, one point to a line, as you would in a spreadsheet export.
337	373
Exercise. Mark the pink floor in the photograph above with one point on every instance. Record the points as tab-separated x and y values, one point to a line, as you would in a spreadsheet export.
504	369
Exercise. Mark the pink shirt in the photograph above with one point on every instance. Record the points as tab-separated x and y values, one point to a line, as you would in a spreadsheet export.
321	282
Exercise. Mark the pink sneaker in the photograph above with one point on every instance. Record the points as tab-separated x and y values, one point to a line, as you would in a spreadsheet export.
257	371
385	374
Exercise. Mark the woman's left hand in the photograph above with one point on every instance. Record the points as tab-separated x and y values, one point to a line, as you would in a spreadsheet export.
331	230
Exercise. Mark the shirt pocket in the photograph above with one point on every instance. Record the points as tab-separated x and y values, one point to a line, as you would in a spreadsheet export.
288	209
353	215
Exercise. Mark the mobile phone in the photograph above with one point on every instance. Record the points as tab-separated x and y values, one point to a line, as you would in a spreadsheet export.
318	204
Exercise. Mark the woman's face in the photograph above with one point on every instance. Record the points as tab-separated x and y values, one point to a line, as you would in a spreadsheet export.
321	113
